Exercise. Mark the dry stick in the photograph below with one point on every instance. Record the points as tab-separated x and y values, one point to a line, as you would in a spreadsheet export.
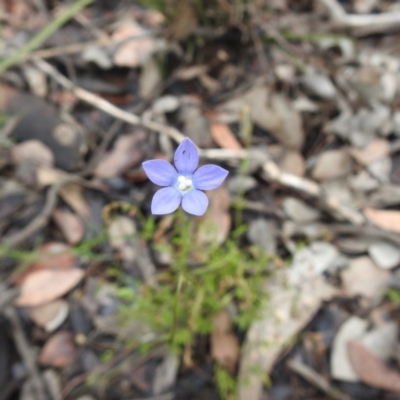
315	379
104	105
42	218
365	24
26	353
271	171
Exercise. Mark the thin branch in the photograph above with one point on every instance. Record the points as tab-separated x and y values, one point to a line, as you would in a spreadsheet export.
270	170
26	354
316	379
42	218
104	105
363	24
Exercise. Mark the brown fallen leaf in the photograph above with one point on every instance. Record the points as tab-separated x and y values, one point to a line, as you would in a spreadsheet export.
59	351
224	344
385	219
377	149
52	255
126	153
70	225
137	48
44	286
371	370
223	136
72	194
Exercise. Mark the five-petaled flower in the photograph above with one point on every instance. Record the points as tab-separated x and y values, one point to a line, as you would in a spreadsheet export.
184	185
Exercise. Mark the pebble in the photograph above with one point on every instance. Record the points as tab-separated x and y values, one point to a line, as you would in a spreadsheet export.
384	254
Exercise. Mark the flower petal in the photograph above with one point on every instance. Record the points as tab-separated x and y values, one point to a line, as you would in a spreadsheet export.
165	201
195	202
209	177
160	172
186	157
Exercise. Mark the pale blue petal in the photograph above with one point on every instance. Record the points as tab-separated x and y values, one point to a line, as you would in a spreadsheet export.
160	172
195	202
165	201
209	177
186	157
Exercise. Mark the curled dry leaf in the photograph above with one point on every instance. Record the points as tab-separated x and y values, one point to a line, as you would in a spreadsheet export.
44	286
59	351
384	219
371	370
49	316
223	136
70	225
224	344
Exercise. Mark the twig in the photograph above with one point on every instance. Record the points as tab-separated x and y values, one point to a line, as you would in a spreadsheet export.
44	34
272	173
270	170
104	105
40	220
363	24
315	379
26	353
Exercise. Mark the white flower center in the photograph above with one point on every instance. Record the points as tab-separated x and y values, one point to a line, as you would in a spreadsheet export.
184	184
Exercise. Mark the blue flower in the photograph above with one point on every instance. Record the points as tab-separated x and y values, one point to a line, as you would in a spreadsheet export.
184	185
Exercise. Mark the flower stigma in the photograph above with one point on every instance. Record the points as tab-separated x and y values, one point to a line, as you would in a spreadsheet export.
184	184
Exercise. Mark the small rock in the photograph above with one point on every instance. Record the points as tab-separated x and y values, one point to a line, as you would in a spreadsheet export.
320	85
262	233
384	254
166	104
332	164
380	169
364	278
316	259
299	211
292	162
241	184
341	367
382	340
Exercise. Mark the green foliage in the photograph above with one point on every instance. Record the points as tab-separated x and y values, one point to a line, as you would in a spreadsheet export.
225	382
203	280
394	296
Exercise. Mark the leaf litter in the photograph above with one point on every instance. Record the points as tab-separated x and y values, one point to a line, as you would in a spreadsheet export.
298	101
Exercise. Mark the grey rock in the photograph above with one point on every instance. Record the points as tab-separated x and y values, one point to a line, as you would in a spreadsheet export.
384	254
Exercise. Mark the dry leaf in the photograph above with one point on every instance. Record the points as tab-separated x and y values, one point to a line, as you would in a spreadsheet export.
72	194
136	51
223	136
126	153
384	219
59	351
52	255
70	225
44	286
49	316
224	344
371	370
377	149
